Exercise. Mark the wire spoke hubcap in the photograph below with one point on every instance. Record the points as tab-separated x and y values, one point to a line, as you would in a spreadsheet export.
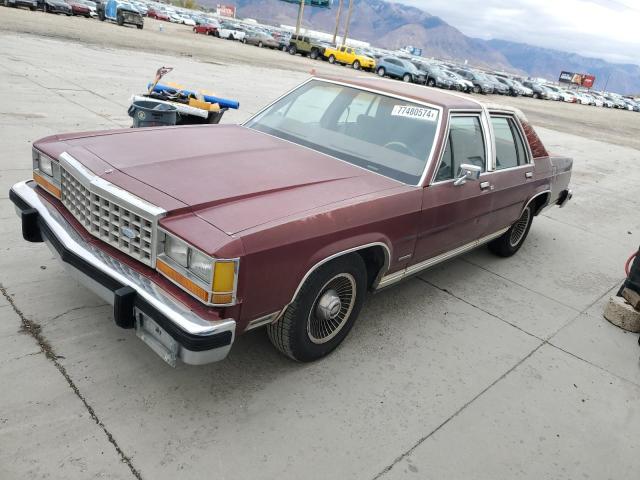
332	308
519	228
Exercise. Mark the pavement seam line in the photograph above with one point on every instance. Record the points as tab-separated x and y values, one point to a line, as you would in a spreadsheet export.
455	414
35	330
519	284
578	357
543	342
449	292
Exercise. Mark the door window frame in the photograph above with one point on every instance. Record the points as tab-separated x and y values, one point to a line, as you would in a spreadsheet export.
488	146
520	131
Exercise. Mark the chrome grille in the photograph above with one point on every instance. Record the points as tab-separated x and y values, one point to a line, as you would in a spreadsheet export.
107	220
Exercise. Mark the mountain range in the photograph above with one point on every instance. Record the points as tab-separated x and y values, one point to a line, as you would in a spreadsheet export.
394	25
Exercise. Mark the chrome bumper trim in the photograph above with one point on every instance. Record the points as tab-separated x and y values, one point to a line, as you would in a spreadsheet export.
182	320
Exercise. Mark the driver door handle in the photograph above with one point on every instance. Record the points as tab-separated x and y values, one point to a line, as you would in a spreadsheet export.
485	185
529	174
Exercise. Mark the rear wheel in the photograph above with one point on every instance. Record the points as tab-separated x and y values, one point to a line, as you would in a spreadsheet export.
511	241
260	44
120	20
323	312
139	27
431	82
293	49
476	89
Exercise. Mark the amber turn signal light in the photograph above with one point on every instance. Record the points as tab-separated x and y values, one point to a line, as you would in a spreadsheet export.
183	281
47	185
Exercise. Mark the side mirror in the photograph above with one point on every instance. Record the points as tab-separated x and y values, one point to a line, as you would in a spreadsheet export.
467	172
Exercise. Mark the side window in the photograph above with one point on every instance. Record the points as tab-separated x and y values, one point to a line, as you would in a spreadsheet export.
465	144
510	151
342	49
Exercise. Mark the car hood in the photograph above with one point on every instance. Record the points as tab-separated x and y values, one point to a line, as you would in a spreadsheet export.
233	177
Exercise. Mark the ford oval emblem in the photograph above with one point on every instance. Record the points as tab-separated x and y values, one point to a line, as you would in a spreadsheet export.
130	233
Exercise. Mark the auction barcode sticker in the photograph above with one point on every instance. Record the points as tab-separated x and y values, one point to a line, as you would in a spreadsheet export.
409	111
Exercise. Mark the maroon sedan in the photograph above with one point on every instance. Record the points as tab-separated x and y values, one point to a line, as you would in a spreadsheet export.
157	14
207	29
78	8
337	189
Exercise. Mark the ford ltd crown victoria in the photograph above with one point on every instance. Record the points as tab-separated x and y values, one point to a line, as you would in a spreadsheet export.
339	188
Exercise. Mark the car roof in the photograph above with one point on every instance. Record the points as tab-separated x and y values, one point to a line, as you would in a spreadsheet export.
420	93
441	98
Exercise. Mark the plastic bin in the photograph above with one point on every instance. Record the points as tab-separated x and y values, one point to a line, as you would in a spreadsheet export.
147	113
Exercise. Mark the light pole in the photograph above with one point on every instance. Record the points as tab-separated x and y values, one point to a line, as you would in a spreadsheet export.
346	28
335	32
300	13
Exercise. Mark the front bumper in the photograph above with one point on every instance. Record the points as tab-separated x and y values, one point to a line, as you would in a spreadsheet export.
132	18
166	325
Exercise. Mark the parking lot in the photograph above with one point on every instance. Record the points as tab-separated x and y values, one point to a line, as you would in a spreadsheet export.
482	368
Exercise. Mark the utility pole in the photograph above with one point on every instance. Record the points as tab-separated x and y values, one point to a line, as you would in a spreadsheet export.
335	32
606	83
346	28
300	14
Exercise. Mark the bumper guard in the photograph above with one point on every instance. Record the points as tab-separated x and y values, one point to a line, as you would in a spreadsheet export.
166	325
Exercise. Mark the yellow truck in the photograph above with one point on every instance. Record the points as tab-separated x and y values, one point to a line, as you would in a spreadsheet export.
350	56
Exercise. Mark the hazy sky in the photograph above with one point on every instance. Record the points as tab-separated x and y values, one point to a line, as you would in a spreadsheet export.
608	29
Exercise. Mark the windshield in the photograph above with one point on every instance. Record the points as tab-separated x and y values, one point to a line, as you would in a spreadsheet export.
386	135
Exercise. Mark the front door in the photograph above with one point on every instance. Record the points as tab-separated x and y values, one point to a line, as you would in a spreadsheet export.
452	215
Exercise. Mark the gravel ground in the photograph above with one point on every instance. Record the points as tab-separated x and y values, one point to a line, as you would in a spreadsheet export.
614	126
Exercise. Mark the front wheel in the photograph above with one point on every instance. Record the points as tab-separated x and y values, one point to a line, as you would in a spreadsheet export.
356	65
381	72
314	54
406	78
120	20
139	27
511	241
332	59
260	44
323	312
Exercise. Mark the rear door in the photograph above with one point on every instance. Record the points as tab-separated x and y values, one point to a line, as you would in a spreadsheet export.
452	215
511	180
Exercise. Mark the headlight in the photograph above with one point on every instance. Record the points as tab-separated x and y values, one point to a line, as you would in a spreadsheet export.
45	165
212	280
46	173
177	251
201	265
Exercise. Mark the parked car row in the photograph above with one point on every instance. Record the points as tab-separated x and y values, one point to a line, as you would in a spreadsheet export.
391	64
